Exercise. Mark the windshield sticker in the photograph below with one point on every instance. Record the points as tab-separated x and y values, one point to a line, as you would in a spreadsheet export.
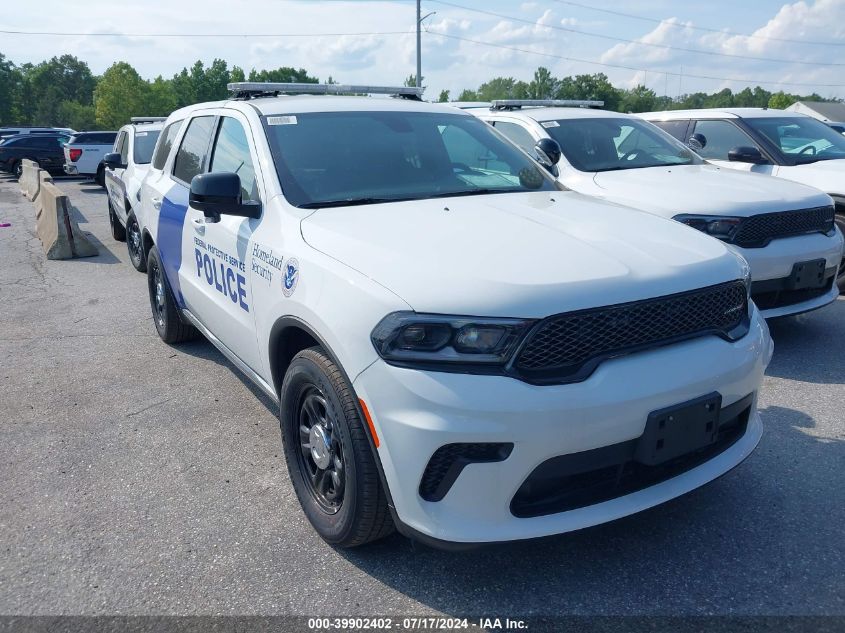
281	120
141	133
548	124
291	277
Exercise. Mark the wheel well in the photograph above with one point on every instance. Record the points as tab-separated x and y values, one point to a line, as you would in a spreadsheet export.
148	243
286	341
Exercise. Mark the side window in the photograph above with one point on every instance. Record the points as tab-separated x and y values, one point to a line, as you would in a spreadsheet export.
517	135
722	136
190	159
163	148
231	154
678	129
122	146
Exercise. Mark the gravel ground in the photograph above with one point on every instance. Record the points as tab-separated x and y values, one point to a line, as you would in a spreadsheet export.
144	479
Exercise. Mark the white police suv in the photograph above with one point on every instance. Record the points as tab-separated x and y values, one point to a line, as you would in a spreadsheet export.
785	230
126	167
787	145
458	347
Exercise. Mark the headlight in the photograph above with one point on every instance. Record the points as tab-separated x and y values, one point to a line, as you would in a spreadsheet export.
409	338
719	226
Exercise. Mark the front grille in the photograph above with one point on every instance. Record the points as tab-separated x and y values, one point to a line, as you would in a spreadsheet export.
568	347
782	298
758	230
449	460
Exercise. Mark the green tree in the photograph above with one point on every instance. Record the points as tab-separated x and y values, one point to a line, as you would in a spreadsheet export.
121	93
285	74
496	88
51	83
161	98
639	99
591	87
10	90
781	100
78	116
444	96
543	86
468	95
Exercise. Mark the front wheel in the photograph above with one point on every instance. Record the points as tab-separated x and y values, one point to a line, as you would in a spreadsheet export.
331	464
100	178
169	324
134	244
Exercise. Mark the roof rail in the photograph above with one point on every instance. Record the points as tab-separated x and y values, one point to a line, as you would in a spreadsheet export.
252	89
147	119
515	104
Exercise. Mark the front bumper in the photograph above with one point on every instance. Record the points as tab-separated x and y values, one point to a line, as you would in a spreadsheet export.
417	412
772	266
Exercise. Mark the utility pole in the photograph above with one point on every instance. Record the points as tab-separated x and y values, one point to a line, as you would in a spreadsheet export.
419	45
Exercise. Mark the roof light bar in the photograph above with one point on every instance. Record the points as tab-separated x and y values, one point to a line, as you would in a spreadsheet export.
512	104
250	89
147	119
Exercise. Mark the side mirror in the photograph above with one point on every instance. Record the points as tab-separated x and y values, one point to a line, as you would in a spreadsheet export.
548	151
746	155
112	161
220	194
697	142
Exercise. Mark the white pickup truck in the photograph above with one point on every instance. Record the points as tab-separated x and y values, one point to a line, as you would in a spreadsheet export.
84	153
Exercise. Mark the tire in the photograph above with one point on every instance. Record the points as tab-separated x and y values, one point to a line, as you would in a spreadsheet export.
134	244
840	222
339	487
169	324
17	169
100	177
118	231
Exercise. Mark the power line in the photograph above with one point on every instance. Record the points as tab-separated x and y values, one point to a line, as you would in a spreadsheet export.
72	34
698	28
696	51
623	67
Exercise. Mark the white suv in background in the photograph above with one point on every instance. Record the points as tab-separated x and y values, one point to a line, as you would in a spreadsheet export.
126	167
84	153
785	144
458	347
784	230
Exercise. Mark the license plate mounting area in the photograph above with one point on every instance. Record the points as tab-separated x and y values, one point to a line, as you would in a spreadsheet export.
680	429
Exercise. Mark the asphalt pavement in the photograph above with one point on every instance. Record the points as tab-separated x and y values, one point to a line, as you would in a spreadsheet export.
140	478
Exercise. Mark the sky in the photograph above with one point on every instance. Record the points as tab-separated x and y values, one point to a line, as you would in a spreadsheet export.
671	46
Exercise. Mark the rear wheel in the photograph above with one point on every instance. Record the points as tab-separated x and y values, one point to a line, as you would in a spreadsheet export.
17	169
329	458
169	324
134	244
118	231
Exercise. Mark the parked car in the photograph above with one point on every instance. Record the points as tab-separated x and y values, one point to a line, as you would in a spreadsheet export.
458	347
6	132
776	142
44	149
784	230
84	154
126	167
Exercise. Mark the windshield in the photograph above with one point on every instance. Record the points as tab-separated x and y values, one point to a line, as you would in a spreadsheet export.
802	139
145	142
610	144
341	158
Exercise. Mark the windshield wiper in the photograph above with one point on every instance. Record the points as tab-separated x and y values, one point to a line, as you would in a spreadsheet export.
349	202
470	192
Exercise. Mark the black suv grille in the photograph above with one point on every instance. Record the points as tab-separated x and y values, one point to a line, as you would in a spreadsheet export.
758	230
568	347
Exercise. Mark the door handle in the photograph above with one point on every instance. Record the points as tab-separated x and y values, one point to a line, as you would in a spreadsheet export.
156	203
199	225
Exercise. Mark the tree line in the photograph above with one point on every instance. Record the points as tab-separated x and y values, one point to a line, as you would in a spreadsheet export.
63	91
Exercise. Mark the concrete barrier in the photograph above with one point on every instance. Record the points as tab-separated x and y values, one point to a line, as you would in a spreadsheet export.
58	231
29	179
43	177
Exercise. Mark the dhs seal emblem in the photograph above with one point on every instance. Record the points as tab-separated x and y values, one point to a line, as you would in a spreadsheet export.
290	278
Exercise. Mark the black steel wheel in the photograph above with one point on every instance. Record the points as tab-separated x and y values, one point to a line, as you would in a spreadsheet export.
169	324
135	244
330	460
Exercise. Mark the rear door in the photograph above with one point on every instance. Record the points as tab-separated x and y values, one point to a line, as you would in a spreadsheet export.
214	277
114	177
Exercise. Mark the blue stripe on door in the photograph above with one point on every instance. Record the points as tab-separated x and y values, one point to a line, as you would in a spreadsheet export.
171	225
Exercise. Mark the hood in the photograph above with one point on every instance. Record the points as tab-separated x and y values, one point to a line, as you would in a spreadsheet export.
705	190
827	175
519	254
